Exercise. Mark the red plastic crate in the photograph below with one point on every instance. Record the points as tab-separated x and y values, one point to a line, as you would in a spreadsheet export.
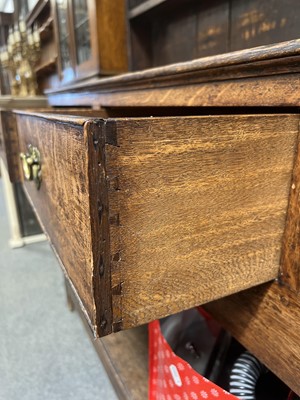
171	378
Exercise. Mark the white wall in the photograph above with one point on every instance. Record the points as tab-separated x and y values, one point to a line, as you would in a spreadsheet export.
8	5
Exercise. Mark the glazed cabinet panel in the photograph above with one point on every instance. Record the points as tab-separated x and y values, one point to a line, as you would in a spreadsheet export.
150	216
92	38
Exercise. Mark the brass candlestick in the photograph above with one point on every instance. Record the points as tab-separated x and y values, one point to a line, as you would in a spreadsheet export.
19	57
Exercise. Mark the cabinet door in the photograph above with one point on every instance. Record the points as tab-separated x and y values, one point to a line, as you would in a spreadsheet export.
77	35
92	38
151	216
66	57
85	37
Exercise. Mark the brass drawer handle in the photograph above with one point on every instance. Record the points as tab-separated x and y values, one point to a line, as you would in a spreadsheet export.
32	166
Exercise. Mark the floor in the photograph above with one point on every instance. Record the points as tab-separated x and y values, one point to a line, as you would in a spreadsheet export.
45	352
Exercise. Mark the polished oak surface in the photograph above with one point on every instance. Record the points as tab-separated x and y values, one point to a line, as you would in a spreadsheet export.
265	320
257	77
265	77
150	216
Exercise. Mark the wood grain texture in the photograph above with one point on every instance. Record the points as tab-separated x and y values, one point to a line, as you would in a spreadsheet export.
111	27
99	219
266	321
290	256
185	33
185	30
9	151
255	23
150	216
125	357
64	201
201	205
178	71
279	91
262	76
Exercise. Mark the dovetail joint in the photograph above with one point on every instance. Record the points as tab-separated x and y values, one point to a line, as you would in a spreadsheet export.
114	219
118	326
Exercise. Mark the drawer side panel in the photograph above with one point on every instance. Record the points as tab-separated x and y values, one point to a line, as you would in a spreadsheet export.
201	205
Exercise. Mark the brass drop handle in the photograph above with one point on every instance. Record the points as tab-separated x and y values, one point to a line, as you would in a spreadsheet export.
31	163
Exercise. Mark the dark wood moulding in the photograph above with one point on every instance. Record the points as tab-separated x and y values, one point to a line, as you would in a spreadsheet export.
261	76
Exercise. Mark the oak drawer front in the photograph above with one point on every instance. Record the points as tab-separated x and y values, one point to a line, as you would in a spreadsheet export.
9	145
150	216
63	202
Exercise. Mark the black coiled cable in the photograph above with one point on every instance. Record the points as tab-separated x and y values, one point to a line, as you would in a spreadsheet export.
244	376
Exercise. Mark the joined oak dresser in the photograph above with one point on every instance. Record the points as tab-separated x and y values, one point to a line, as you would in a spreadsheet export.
174	187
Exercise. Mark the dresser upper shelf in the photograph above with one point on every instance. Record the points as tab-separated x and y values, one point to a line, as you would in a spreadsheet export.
162	32
253	77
